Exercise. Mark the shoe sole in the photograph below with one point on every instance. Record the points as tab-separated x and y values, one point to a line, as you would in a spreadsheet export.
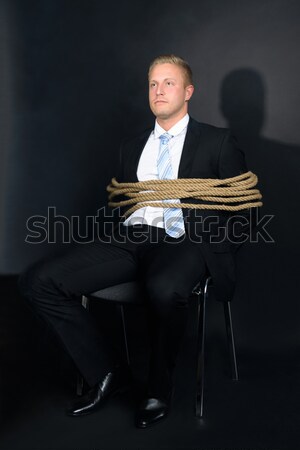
121	390
155	422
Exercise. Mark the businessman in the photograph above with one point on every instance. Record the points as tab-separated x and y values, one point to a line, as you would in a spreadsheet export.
175	250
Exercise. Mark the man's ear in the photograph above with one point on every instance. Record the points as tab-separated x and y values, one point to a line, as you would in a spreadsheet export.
189	90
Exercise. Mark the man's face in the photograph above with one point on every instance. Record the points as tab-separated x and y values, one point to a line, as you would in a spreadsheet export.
168	94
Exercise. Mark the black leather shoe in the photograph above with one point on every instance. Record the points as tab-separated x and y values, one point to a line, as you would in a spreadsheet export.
151	411
113	383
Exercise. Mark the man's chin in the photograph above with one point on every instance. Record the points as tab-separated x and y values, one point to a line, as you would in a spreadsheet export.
161	115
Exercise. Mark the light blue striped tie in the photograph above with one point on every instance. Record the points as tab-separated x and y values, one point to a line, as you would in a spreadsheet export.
173	217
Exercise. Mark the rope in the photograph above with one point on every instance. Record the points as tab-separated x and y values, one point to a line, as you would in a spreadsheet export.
222	193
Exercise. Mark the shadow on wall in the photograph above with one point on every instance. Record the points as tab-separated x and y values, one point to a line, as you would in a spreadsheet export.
268	273
242	102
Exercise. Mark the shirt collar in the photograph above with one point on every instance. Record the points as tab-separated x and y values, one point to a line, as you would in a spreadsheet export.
175	130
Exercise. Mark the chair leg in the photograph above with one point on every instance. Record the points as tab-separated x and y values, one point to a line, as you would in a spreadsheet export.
80	381
125	334
230	340
200	355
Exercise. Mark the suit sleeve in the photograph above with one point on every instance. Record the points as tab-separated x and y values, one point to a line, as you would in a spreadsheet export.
231	160
230	164
119	174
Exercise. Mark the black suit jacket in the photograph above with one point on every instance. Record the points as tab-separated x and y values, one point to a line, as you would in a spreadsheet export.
208	152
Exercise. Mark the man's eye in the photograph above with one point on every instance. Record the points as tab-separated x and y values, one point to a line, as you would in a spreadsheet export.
152	85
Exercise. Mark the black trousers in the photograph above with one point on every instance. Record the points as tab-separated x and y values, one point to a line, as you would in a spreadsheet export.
168	268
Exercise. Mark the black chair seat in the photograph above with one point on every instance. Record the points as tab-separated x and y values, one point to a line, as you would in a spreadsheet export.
123	293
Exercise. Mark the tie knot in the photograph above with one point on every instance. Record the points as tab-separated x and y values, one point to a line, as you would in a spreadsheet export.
164	138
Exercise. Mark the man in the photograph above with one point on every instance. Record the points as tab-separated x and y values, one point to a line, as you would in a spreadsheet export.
175	251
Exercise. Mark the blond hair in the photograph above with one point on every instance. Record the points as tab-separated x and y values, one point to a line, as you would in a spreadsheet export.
173	59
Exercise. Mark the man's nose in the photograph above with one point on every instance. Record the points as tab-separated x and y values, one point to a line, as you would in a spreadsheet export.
159	90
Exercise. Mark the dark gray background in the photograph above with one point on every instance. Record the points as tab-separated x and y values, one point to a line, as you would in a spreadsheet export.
73	83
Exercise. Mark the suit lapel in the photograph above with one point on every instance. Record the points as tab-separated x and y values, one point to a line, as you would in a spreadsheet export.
135	154
190	146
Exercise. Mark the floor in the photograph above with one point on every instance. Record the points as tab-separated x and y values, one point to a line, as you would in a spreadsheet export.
260	411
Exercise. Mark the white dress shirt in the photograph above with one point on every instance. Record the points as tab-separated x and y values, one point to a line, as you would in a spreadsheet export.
147	169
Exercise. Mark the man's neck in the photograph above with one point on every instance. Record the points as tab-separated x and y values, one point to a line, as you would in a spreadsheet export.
167	124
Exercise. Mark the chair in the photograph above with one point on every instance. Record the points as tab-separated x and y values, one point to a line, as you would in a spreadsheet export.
131	293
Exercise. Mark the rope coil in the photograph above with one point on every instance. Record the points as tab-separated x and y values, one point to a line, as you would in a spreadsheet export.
223	194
